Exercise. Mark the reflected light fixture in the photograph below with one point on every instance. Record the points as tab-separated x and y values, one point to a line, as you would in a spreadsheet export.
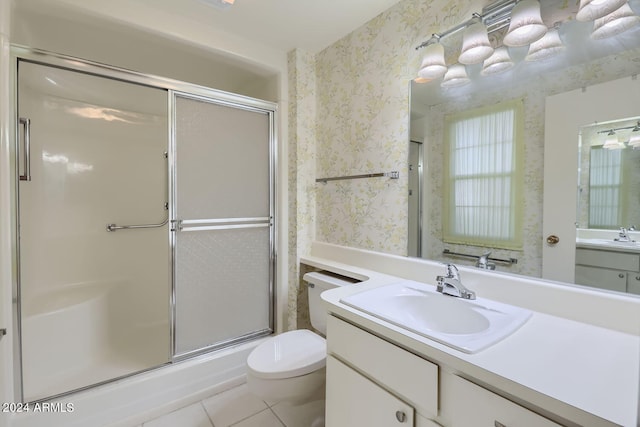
498	62
526	24
616	22
549	45
475	43
590	10
456	76
433	65
611	141
219	4
634	139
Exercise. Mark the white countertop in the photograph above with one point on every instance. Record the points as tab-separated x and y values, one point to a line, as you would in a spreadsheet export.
602	244
579	371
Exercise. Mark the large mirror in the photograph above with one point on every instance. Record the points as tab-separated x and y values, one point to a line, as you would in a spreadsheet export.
453	219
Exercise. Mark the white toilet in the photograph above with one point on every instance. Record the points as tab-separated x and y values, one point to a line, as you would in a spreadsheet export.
291	366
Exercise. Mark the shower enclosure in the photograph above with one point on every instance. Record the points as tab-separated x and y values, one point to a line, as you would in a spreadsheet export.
145	222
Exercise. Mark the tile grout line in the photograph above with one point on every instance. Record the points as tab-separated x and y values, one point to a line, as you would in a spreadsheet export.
207	413
276	415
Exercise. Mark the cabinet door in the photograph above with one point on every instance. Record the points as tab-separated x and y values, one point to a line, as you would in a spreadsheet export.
633	283
481	408
614	280
353	400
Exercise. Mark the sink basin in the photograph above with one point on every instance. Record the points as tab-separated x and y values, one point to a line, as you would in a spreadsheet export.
466	325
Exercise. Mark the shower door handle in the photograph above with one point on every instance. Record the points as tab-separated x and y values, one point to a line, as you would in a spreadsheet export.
26	123
114	227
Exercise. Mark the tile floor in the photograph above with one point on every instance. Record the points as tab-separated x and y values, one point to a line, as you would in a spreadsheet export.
238	408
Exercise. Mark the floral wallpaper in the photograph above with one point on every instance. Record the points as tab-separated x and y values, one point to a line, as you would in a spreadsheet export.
353	109
302	161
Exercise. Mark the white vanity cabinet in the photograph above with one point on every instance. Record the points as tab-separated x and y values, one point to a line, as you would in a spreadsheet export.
371	382
483	408
615	270
354	400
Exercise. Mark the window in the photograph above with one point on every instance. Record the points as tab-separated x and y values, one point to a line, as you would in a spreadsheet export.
605	183
483	176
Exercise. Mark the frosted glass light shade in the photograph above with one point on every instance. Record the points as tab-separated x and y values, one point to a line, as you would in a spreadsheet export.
634	140
612	142
498	62
526	24
590	10
475	44
433	65
456	76
616	22
549	45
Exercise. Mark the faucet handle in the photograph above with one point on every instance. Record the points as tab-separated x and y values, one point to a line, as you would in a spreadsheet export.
452	271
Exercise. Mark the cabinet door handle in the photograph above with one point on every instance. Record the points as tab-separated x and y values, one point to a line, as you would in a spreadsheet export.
621	275
401	416
497	423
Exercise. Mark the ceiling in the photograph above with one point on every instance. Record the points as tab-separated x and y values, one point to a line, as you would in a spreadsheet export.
282	25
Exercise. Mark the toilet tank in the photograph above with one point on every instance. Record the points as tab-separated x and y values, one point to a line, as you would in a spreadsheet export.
319	282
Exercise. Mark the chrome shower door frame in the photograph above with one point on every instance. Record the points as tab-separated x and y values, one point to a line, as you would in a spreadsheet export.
173	87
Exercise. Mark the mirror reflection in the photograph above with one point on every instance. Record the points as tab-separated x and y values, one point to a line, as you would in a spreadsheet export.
609	175
476	191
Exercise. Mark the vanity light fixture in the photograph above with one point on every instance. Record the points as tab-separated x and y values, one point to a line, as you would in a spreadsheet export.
618	21
456	76
547	47
475	43
433	65
498	62
526	24
634	139
612	142
590	10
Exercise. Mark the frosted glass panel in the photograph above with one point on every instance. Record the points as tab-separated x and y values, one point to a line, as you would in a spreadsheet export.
223	286
223	161
223	176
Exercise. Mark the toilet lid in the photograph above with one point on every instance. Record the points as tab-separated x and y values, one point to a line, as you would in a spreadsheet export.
288	355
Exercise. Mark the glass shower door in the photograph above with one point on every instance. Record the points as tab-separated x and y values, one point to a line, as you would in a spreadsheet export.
224	232
94	303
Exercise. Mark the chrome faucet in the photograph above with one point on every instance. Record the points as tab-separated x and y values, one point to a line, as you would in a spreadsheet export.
451	285
623	236
483	262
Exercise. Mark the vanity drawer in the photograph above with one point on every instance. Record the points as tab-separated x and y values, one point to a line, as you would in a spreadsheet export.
608	259
614	280
482	408
412	378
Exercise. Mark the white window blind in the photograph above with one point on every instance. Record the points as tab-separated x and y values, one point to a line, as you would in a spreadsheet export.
483	184
605	182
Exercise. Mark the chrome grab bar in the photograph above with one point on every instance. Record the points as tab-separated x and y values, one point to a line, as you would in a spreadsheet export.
113	227
26	123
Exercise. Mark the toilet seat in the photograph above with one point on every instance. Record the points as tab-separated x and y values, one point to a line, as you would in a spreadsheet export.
287	355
